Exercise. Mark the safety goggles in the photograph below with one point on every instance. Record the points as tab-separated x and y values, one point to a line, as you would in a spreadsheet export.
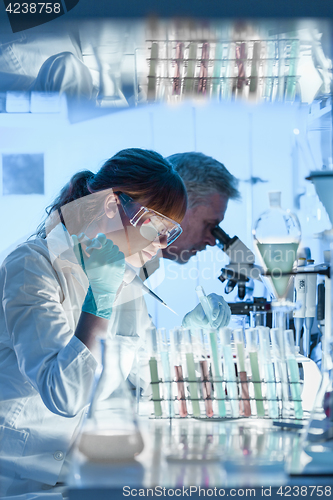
152	224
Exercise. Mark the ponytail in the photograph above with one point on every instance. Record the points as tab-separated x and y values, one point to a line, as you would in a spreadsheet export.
76	188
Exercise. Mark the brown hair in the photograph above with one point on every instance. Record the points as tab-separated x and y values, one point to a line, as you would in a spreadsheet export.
142	174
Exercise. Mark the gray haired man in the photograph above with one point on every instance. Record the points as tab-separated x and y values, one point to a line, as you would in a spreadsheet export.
209	187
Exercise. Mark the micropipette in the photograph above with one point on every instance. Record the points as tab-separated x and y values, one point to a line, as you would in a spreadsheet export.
310	307
130	276
300	290
205	304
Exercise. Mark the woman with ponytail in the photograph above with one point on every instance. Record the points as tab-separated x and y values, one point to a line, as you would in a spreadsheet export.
62	288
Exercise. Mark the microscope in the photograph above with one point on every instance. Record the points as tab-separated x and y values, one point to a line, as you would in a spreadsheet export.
240	271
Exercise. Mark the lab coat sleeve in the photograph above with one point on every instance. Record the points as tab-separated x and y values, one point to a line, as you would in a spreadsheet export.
57	364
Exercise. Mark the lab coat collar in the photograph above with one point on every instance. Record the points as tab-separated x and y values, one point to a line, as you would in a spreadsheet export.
60	245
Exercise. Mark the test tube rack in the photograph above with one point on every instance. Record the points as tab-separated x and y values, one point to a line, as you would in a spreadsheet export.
259	69
182	401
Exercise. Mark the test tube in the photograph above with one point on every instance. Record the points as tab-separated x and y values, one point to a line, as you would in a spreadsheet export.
269	77
252	348
295	387
151	94
229	370
165	359
268	369
217	69
292	78
192	377
206	385
176	346
205	304
217	375
191	63
245	399
279	351
155	381
176	85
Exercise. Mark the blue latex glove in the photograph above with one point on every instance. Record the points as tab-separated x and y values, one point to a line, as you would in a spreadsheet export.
104	267
221	314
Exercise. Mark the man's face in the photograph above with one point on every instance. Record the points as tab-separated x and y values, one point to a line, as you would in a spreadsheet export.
197	225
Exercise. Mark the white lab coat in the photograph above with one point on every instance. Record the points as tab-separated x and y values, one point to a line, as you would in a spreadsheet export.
46	373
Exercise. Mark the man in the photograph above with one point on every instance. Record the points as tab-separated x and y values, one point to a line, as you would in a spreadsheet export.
209	187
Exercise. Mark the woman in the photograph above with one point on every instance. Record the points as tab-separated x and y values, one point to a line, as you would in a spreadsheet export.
62	290
53	309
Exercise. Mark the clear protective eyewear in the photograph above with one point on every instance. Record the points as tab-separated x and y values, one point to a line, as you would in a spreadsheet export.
152	224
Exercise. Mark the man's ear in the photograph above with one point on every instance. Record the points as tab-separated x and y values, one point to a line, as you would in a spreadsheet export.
110	206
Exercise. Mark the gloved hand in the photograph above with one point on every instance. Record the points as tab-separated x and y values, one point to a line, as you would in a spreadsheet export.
220	313
104	268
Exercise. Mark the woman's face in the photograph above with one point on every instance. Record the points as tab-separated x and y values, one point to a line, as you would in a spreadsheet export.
138	243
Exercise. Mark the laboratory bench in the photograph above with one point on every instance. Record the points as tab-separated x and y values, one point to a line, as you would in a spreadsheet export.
182	452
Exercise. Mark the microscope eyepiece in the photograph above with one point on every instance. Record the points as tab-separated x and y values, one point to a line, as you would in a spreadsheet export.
220	235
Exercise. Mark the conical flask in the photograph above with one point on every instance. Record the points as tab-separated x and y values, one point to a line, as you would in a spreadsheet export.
277	235
110	432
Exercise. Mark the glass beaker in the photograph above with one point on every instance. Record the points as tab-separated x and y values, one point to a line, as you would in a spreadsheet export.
110	432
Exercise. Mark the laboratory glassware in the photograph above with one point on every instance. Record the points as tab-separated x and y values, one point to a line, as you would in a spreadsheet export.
204	371
153	368
252	349
229	370
268	370
191	371
245	406
176	342
295	387
281	370
277	235
217	373
163	347
110	432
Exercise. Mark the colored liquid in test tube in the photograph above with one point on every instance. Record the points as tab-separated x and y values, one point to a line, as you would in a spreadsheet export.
192	376
177	359
279	351
153	367
164	350
206	385
268	369
229	370
252	349
217	373
293	371
245	406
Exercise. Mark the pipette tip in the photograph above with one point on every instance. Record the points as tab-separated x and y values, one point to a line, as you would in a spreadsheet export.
174	312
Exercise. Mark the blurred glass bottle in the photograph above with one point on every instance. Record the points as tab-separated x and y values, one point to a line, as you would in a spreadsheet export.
110	432
277	234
